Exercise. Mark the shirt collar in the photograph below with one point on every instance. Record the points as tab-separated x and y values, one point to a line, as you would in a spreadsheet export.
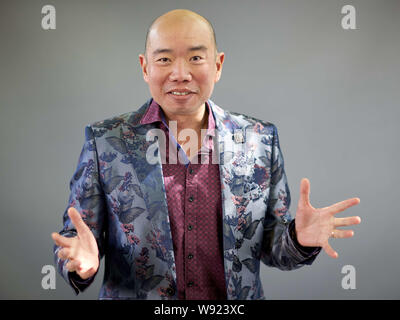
155	114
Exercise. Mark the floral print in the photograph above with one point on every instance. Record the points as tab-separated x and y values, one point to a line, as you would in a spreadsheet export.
121	197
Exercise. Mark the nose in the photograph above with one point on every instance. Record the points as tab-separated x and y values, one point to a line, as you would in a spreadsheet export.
180	71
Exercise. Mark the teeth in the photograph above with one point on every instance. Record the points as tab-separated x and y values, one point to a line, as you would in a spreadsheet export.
180	93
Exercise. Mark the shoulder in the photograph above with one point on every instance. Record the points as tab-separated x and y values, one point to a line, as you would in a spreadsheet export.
252	121
116	125
235	120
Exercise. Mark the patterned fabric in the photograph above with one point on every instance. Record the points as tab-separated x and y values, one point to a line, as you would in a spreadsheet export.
194	205
119	190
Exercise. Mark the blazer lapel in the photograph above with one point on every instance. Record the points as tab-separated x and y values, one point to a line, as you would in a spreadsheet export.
236	160
151	181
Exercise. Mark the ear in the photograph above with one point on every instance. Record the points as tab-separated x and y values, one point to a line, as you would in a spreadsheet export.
143	65
219	62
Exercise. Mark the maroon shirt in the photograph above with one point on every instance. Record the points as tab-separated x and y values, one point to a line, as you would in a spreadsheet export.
195	213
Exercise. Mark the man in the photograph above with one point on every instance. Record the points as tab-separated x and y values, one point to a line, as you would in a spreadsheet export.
193	228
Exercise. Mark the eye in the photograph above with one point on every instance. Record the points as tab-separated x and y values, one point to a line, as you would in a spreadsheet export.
196	58
163	59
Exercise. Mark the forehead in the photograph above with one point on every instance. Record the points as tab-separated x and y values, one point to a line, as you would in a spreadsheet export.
181	35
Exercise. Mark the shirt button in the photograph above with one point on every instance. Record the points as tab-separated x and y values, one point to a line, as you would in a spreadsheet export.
190	284
190	256
170	291
190	227
191	199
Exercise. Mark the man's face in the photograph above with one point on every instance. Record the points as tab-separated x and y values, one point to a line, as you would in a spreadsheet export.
181	66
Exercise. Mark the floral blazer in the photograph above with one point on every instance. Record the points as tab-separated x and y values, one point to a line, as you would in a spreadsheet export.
121	197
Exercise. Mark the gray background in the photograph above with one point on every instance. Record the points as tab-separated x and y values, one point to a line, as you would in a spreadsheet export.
332	93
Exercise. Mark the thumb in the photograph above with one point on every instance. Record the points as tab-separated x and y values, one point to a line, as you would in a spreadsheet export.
77	221
304	192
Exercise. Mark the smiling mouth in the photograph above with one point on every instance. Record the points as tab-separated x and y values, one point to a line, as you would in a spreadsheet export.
176	93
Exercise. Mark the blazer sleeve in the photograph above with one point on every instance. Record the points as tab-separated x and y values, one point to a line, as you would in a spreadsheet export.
280	248
87	197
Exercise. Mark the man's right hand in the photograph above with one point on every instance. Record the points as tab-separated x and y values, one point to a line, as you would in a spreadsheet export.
81	251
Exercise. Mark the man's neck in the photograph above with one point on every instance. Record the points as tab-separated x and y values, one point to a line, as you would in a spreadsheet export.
196	121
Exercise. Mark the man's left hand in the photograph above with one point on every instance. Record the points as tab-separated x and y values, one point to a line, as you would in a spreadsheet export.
314	226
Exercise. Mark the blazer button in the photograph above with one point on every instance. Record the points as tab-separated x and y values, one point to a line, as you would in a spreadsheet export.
190	284
190	170
170	291
191	199
190	256
190	227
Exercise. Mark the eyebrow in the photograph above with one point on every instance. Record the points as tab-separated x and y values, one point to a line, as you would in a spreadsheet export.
165	50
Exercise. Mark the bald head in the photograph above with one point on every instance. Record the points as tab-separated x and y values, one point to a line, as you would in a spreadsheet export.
179	16
181	65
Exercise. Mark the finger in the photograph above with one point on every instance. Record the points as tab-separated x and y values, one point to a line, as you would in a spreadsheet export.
64	254
304	192
77	221
343	205
61	241
342	234
73	265
329	250
349	221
